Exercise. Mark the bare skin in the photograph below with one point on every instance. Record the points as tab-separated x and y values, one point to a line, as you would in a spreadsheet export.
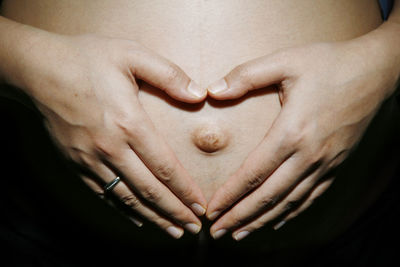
206	40
102	126
305	142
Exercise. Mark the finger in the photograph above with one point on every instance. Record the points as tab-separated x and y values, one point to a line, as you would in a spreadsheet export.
159	158
317	192
130	200
265	196
282	207
139	178
95	186
165	75
257	167
254	74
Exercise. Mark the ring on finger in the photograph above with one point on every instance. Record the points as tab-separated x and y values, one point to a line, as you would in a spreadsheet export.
110	186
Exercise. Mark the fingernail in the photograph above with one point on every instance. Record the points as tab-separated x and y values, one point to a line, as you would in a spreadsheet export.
218	233
218	86
193	228
279	225
198	209
195	89
175	232
239	236
137	222
213	215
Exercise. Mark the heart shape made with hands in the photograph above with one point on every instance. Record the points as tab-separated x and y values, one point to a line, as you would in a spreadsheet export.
166	111
295	162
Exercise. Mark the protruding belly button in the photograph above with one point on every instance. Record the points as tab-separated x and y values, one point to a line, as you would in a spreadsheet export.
210	138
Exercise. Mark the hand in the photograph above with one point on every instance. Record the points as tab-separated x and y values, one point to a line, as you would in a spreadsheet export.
86	87
329	93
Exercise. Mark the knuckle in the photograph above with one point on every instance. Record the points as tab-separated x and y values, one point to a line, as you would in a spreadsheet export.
338	159
298	133
135	128
70	154
228	198
244	74
106	150
237	216
103	147
84	159
172	73
314	156
256	177
187	192
151	194
130	201
266	202
294	136
124	123
315	160
128	125
165	172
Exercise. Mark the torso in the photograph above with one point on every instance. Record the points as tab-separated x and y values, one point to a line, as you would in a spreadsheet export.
207	39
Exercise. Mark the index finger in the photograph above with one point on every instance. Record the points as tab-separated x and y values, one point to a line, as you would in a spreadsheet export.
257	167
251	75
165	75
156	154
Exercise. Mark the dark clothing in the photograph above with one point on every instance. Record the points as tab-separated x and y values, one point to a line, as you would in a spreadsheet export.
38	229
386	7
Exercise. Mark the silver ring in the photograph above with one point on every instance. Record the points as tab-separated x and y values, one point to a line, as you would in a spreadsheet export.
110	186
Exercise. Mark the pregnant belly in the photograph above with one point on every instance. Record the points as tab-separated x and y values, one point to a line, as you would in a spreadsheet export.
207	39
213	138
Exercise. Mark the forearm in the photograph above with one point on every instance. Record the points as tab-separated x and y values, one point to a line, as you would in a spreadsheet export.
395	13
390	33
17	42
383	46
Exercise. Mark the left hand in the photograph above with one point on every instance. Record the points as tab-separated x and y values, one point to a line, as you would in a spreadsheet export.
329	93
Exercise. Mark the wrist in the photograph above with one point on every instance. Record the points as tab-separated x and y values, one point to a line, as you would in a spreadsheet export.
390	32
20	50
382	49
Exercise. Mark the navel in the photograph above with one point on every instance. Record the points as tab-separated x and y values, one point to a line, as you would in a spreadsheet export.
210	138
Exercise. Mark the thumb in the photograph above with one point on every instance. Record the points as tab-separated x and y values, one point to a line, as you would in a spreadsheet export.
254	74
167	76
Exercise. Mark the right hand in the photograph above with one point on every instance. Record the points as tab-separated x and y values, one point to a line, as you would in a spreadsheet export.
86	88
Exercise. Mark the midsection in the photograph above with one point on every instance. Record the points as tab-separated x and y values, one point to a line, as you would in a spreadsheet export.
207	39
